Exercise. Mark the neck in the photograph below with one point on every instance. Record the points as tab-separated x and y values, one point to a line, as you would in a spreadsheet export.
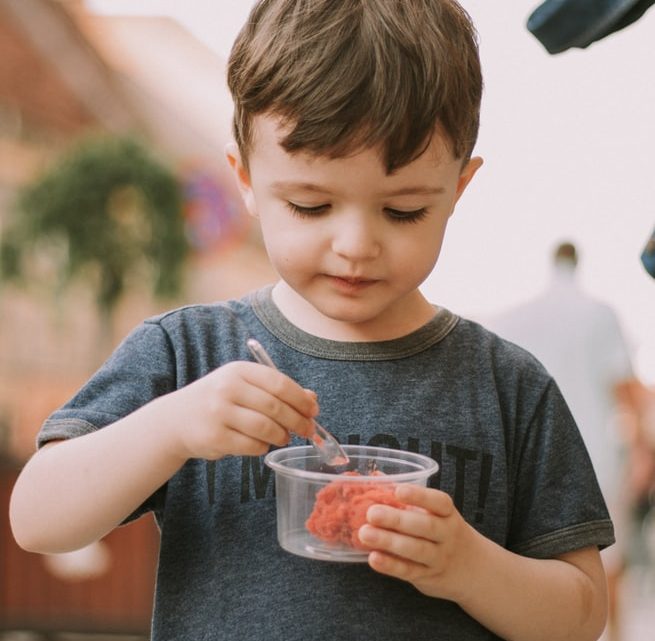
563	273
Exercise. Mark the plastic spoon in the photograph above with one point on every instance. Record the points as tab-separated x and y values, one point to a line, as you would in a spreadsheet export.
328	447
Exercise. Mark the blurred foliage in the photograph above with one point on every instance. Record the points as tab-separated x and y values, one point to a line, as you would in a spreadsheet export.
105	212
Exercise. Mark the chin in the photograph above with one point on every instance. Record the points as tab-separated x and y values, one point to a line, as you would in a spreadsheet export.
352	314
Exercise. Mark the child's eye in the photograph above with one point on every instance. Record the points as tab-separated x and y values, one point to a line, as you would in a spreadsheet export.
299	210
400	216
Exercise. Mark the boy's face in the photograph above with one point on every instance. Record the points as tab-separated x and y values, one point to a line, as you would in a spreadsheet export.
351	243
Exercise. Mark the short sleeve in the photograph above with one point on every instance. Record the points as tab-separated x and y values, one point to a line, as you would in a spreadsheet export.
558	505
141	368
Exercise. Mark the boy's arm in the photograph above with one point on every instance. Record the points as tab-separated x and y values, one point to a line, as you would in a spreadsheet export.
517	597
521	598
73	492
556	599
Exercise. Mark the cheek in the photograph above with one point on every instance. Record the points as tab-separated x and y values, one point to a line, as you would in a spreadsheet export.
421	251
289	246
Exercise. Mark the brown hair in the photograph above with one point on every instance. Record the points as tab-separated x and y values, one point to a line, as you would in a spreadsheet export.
566	252
345	75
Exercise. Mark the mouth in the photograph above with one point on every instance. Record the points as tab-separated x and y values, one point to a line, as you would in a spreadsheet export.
352	282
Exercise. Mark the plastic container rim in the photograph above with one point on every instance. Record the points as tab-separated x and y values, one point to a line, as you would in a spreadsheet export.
429	465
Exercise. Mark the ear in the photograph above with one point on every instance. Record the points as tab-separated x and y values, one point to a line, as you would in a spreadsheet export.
241	176
466	175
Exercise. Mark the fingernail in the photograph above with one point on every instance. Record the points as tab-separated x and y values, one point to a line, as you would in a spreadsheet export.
374	512
403	492
366	533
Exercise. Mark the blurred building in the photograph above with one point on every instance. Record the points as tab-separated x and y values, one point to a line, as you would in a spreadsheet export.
65	73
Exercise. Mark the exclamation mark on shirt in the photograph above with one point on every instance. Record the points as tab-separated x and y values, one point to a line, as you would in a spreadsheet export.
485	477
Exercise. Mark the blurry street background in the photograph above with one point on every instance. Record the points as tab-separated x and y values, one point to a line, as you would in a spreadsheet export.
107	104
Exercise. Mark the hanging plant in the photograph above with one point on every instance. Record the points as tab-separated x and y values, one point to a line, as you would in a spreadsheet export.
105	212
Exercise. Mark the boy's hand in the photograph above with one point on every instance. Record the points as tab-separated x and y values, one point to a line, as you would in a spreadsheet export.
429	544
241	408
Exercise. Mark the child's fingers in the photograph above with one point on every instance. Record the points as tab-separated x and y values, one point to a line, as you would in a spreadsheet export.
283	389
434	501
275	399
257	413
399	555
255	425
413	522
390	565
235	442
403	546
413	535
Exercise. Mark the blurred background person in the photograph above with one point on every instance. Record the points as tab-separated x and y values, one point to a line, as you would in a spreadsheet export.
580	341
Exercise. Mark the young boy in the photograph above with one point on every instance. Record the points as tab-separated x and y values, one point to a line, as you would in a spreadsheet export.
354	125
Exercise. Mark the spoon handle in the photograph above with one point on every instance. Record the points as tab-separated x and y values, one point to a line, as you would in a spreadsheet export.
327	446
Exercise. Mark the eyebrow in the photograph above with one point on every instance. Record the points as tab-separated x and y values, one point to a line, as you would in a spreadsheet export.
421	190
282	185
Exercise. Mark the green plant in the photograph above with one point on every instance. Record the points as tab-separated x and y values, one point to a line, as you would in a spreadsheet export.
105	212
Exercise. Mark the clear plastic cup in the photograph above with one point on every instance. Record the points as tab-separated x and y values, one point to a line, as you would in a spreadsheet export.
331	501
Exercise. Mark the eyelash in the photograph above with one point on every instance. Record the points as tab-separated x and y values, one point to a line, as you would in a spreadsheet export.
407	216
395	215
306	212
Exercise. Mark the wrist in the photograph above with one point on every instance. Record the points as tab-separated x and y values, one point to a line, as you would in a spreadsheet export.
162	418
477	569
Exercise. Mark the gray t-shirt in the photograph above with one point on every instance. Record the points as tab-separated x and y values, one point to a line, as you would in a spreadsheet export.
509	451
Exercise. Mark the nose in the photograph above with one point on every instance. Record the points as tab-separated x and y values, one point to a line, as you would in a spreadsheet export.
356	237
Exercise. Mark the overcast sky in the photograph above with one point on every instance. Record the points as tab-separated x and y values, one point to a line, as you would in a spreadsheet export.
567	142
